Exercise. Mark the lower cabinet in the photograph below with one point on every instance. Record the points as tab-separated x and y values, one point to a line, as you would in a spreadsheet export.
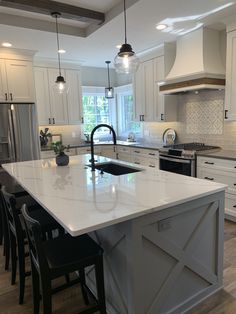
46	154
222	171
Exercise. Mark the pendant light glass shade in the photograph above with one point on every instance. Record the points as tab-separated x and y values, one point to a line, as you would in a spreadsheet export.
109	91
60	85
126	60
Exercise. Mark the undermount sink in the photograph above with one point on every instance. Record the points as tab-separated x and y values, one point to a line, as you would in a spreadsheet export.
115	169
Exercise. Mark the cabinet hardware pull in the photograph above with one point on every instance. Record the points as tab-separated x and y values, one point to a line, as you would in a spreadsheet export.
211	179
143	117
234	206
162	116
5	96
151	154
82	119
137	151
53	120
209	163
234	166
137	163
234	183
226	111
49	120
152	166
11	96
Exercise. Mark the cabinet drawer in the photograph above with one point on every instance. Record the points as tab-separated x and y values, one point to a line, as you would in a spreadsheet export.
218	176
124	157
217	163
123	149
145	152
47	154
83	150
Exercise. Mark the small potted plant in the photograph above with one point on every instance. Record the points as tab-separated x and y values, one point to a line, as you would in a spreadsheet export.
44	135
61	158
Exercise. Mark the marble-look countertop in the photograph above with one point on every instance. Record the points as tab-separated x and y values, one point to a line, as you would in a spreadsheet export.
122	143
84	201
223	154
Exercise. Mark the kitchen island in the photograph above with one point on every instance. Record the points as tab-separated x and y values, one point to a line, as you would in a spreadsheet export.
162	233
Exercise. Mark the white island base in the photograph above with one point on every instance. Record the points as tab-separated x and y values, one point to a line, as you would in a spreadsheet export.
166	261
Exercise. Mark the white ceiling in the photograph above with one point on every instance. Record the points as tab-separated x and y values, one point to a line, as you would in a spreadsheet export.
142	17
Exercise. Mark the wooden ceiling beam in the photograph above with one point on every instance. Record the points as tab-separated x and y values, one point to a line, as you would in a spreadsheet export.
46	7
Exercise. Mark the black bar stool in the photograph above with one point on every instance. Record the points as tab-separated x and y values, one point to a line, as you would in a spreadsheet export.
17	235
60	256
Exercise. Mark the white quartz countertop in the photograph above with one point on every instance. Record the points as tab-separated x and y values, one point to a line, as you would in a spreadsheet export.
84	201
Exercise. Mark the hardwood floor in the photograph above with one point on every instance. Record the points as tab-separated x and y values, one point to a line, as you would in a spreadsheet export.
70	300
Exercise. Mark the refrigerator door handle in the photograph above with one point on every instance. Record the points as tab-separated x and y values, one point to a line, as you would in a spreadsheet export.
11	140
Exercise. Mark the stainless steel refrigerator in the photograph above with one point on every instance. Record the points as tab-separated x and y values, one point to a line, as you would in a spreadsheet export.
19	140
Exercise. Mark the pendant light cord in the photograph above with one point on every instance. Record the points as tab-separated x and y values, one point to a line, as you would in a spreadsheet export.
125	22
108	74
58	47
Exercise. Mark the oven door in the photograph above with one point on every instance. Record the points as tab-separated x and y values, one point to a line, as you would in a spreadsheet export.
177	165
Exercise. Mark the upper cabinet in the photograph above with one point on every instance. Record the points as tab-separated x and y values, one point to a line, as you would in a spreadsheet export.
16	81
54	108
149	105
230	88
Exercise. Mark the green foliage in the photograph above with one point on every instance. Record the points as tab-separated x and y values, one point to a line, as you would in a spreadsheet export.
58	147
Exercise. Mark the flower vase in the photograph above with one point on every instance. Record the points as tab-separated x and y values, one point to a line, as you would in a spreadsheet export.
62	159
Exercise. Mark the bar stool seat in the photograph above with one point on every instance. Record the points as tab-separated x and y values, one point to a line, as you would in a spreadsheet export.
60	256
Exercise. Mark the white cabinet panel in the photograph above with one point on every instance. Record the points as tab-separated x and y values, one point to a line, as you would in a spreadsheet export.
74	100
16	81
42	96
58	103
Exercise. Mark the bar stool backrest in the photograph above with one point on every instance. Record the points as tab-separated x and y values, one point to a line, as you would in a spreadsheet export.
35	239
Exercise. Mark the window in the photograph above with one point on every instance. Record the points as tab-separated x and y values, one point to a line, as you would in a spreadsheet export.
125	111
96	109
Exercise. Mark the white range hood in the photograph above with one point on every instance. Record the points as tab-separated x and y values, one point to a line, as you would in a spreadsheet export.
198	63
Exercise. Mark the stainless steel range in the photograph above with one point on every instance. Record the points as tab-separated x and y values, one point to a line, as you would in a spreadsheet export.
181	158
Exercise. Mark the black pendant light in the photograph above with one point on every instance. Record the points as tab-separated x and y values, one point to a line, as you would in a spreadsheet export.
109	91
60	83
126	60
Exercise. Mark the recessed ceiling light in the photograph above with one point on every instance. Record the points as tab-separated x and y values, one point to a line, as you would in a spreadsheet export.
6	44
61	51
160	27
118	46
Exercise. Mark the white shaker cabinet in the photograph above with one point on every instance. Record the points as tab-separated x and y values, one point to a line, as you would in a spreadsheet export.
55	108
230	88
149	105
16	81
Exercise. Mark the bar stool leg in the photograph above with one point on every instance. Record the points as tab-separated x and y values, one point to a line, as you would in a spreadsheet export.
13	258
46	294
82	283
21	258
100	285
36	288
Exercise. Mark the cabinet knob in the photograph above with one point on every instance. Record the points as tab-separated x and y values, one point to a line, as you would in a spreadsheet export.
209	163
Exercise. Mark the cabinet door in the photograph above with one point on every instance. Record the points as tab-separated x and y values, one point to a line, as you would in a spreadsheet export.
20	80
138	94
3	82
230	88
58	101
148	82
165	106
74	96
42	96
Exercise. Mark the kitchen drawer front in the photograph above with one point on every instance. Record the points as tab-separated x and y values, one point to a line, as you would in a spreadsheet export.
145	152
217	163
123	149
149	162
83	150
218	176
230	206
124	157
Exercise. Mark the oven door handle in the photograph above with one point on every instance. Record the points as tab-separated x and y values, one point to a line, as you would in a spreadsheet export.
181	161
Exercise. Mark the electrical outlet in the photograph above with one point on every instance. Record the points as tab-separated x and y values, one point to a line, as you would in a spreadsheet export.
164	224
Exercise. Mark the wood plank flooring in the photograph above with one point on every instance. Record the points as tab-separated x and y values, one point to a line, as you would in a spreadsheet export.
70	300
